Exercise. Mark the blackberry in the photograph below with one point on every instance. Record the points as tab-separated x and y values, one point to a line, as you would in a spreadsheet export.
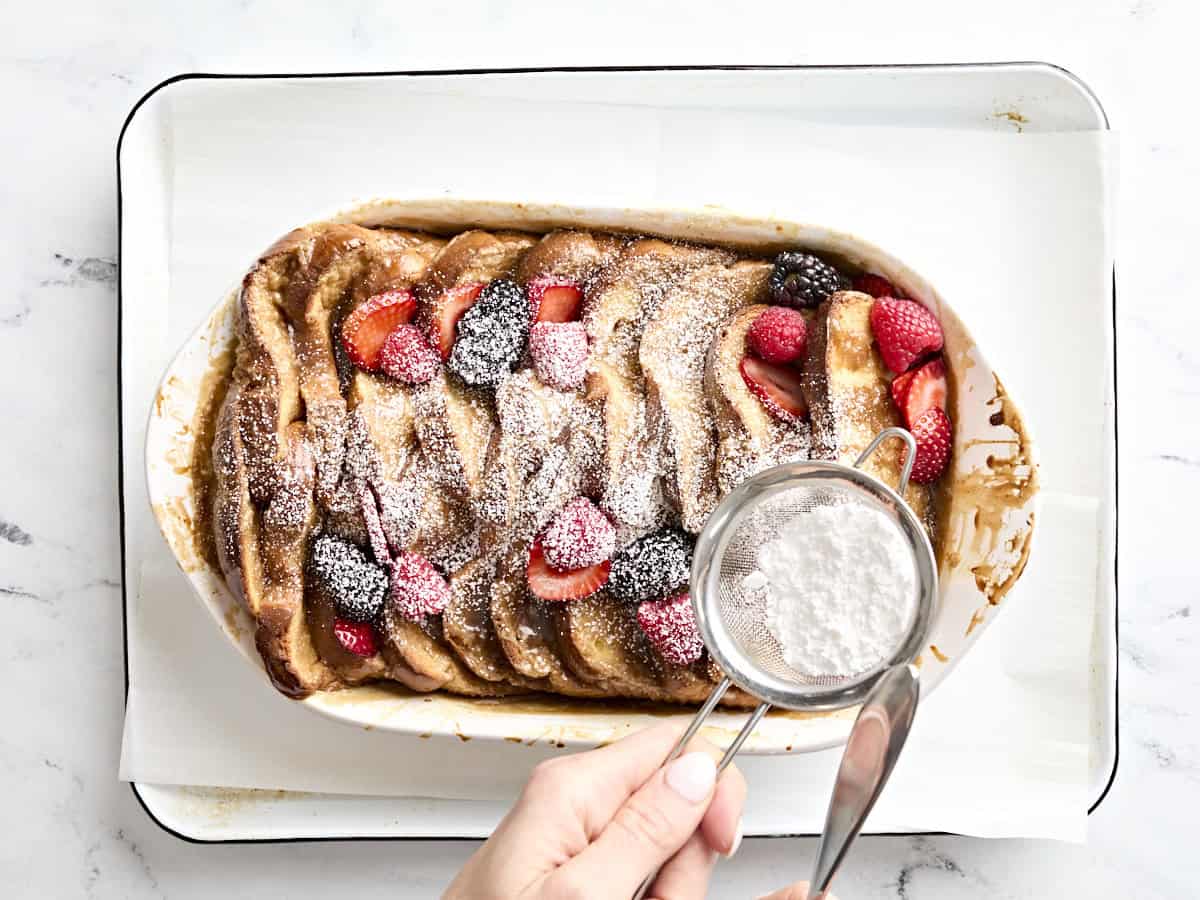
652	566
491	334
803	280
356	585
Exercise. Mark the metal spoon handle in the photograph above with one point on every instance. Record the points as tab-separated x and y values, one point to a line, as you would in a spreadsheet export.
874	745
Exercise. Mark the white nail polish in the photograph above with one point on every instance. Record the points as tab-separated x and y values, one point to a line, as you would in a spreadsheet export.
692	776
737	839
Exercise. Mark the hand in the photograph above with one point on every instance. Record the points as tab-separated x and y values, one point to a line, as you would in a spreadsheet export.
596	824
797	891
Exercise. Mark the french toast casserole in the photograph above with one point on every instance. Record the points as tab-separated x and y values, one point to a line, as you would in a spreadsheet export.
477	462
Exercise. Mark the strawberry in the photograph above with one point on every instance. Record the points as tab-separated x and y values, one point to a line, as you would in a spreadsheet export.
671	626
778	387
356	637
900	385
554	299
447	310
578	537
927	390
417	589
407	356
905	331
934	436
574	584
779	335
368	326
876	286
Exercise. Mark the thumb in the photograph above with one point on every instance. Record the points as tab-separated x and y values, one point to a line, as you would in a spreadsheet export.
647	830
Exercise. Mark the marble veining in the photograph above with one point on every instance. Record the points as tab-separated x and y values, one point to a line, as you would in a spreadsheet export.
72	74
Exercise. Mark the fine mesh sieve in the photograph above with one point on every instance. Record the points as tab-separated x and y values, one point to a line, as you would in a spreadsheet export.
732	618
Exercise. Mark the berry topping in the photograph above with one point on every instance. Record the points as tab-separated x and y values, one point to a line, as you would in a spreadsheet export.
354	583
418	590
407	356
370	514
876	286
560	353
803	280
905	331
550	584
447	310
652	566
356	637
490	336
779	335
927	390
368	326
671	626
934	436
578	537
779	388
900	385
554	299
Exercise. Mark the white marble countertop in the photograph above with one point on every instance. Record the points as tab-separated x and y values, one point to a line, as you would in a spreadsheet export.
71	829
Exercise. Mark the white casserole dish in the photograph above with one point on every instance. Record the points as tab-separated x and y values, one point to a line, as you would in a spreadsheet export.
989	521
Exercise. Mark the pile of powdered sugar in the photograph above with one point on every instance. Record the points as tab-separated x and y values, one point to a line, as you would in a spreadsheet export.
840	589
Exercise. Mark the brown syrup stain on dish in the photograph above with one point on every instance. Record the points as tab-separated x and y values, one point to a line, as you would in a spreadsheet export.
1014	116
977	618
938	654
211	394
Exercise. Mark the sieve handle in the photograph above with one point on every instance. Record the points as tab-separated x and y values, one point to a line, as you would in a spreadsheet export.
910	457
698	720
871	752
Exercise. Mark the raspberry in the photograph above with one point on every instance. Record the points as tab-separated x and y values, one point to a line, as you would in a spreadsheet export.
905	332
578	537
407	356
671	627
560	352
779	335
417	590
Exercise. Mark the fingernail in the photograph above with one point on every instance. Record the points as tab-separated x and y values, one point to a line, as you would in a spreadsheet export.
692	777
737	839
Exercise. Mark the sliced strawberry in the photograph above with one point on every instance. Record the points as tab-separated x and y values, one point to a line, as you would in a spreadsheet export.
900	385
368	326
356	637
876	286
554	299
934	436
927	390
778	387
549	584
905	331
447	310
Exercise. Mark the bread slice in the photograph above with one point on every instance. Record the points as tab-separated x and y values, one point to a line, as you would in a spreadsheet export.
455	424
673	352
749	438
847	388
626	295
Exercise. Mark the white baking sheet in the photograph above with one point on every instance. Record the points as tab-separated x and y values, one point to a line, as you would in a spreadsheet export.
221	168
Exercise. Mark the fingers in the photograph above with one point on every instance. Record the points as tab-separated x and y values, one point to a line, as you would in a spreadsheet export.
686	874
722	823
797	891
646	831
